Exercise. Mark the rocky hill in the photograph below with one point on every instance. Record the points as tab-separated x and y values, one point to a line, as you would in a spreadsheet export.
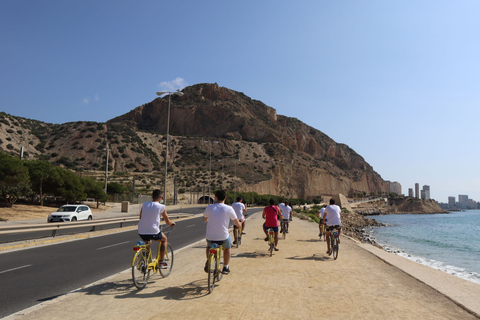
251	146
406	205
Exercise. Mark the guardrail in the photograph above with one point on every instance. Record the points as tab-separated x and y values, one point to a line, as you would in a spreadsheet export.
69	225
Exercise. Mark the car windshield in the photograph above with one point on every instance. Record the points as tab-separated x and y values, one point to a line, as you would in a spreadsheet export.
66	209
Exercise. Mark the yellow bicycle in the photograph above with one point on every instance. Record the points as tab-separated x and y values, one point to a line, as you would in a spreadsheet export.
271	241
143	264
237	236
215	264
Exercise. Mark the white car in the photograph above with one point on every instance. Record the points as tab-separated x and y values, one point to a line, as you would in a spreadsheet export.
71	212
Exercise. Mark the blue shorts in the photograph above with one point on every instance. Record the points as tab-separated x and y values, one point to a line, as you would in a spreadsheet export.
148	237
275	229
227	243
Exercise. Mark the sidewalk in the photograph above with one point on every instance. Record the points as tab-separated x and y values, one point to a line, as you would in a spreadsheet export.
299	282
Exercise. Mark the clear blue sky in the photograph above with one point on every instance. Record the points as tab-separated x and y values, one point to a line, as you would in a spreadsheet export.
397	81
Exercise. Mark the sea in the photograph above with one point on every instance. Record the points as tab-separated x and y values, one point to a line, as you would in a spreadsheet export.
447	242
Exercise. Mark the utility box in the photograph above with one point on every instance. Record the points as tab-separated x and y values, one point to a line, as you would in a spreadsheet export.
124	206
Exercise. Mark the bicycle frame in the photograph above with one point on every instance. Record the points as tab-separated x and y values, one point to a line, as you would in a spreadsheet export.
271	241
215	264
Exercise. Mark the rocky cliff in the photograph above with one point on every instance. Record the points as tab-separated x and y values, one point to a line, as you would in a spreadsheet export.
278	154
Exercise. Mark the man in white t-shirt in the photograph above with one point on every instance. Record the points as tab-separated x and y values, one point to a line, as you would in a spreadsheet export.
286	212
240	210
218	216
321	214
332	219
149	224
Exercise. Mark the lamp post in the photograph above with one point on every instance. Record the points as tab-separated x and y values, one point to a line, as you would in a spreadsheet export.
210	172
235	181
106	169
178	93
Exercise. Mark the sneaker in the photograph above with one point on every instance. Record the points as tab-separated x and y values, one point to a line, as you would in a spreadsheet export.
235	242
276	249
226	270
206	267
244	232
163	264
266	239
320	235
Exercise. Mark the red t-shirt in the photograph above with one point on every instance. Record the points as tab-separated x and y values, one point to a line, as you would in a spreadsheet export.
271	219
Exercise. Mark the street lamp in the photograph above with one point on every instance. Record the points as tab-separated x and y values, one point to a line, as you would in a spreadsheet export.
178	93
210	174
106	169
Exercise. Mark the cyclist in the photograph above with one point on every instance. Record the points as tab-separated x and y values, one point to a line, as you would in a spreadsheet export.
270	214
286	212
218	216
321	214
149	224
332	212
240	209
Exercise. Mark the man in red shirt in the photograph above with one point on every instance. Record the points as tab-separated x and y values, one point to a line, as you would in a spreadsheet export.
270	214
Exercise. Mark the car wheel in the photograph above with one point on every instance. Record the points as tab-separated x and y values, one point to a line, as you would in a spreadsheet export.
90	217
74	219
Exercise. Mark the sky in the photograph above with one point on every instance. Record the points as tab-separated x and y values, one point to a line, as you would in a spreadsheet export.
396	81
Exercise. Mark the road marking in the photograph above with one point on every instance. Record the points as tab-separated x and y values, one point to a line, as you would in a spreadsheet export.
113	245
192	225
28	265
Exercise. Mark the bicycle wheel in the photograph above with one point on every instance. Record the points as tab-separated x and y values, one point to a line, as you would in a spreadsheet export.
212	266
270	249
169	260
335	248
237	238
140	271
284	230
220	265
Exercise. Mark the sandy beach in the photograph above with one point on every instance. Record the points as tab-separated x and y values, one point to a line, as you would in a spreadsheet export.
299	282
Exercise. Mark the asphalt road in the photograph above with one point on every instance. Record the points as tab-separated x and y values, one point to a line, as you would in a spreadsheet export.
11	237
38	274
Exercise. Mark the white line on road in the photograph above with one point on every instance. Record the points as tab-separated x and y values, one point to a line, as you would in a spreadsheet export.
192	225
113	245
28	265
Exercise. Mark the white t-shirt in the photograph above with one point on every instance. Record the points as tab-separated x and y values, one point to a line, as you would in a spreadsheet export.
322	213
239	208
150	222
333	215
286	212
219	216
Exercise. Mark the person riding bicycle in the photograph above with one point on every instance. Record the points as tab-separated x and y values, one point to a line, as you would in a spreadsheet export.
321	214
218	216
332	213
286	212
149	224
240	210
270	214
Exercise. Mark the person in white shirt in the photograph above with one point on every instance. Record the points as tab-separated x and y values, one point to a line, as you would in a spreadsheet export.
286	212
218	216
321	214
332	219
240	210
149	224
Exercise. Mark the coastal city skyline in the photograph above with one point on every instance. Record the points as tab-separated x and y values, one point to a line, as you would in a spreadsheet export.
393	81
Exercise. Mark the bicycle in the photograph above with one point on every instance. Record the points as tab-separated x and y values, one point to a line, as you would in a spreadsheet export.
215	264
283	227
334	240
237	236
323	232
271	241
142	263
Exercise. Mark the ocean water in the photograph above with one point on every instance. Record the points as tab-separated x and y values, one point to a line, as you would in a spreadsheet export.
447	242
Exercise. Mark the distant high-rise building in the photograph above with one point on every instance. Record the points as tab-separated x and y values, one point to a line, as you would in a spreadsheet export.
426	190
417	188
410	192
462	200
422	194
451	202
395	187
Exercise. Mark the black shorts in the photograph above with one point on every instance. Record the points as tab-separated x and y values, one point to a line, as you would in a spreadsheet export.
330	228
148	237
